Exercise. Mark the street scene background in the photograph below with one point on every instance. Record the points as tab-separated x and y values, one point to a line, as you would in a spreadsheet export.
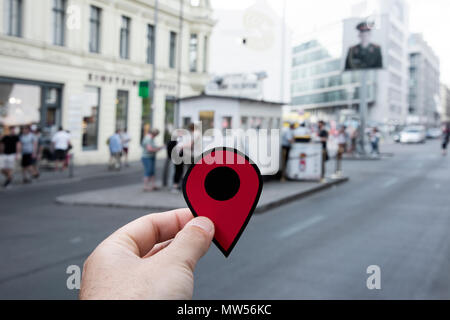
97	96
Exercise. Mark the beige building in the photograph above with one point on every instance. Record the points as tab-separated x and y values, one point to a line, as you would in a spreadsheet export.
445	103
78	63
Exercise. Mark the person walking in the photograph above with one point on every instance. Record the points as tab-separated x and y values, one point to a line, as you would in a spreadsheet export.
149	150
40	146
115	150
375	141
287	139
125	138
60	145
342	146
323	138
8	147
353	139
174	147
27	147
445	138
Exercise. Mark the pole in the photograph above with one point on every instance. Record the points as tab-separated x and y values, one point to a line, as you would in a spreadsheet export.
283	51
363	111
153	83
180	46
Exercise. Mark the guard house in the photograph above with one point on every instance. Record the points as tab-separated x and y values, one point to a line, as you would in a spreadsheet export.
227	112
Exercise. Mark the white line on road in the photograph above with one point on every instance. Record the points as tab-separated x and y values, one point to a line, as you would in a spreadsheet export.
390	182
300	227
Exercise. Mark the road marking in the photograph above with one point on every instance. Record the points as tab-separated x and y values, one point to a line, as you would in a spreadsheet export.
390	182
300	227
75	240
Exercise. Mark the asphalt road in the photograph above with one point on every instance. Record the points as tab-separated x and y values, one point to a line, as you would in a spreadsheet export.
394	213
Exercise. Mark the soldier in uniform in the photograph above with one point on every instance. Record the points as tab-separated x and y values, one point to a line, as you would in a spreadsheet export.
365	55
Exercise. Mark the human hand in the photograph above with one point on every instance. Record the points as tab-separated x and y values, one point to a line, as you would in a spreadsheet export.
152	257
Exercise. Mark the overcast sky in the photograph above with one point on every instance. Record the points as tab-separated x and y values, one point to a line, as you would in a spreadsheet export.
429	17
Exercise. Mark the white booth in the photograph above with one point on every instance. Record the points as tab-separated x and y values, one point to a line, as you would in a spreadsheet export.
225	112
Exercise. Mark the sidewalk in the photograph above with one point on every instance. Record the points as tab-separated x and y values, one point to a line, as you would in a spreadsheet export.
51	177
132	196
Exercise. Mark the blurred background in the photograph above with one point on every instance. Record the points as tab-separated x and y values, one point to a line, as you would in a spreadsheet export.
81	78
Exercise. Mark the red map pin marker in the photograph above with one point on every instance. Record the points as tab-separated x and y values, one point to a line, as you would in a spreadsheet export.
224	185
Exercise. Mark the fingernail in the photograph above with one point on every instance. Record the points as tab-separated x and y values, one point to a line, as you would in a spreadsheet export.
203	223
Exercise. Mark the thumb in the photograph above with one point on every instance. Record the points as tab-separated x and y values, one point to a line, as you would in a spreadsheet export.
191	243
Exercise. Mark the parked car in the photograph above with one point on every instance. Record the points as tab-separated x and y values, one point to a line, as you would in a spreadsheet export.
434	133
413	134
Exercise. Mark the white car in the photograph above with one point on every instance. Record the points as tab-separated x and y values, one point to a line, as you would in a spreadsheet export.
413	134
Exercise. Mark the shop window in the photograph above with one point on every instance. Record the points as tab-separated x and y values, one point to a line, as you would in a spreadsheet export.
121	110
91	110
19	104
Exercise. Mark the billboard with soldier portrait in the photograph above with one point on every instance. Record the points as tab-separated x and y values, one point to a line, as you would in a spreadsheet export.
362	45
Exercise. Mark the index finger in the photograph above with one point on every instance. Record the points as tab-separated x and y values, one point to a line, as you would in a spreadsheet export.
143	233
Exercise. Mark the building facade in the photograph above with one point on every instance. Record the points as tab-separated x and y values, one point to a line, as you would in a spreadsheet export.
320	86
251	41
445	103
424	82
78	63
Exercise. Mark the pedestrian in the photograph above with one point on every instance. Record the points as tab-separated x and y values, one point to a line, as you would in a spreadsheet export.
353	139
27	147
342	146
287	139
9	155
60	145
445	138
115	150
302	133
149	150
125	137
40	146
375	141
174	147
323	138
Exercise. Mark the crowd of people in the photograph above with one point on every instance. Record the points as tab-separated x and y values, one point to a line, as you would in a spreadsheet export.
27	146
118	145
345	137
183	145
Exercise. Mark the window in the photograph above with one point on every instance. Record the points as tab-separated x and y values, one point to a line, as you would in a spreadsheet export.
59	18
205	54
193	46
20	103
13	17
226	123
150	44
186	121
125	38
121	110
90	118
94	30
207	120
172	49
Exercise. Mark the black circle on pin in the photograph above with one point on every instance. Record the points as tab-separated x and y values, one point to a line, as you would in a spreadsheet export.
222	183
